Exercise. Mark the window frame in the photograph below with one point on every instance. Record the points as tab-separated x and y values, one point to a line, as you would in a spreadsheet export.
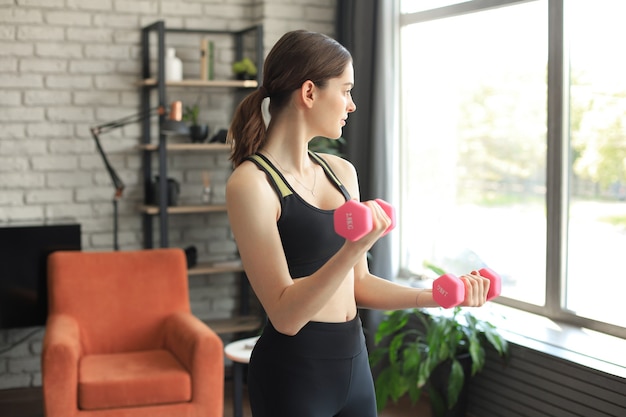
558	147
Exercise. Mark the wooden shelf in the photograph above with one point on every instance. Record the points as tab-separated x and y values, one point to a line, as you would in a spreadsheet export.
151	82
184	209
202	269
235	325
205	147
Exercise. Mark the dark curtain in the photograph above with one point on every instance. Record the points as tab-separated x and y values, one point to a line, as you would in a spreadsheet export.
368	29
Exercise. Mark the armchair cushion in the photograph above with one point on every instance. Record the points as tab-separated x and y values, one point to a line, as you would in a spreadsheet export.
132	379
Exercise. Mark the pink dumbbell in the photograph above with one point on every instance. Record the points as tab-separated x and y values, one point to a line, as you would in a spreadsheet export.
354	220
449	291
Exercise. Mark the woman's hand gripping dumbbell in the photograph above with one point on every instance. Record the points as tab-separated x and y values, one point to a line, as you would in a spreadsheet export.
449	291
353	220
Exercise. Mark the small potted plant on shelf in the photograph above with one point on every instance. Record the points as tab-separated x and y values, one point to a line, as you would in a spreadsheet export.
245	69
436	352
197	132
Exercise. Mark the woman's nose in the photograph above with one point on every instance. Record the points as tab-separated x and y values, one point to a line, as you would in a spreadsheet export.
351	106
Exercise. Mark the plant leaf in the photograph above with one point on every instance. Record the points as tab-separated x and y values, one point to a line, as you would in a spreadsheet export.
455	383
390	384
377	355
477	352
395	346
384	386
495	339
434	268
393	322
424	371
437	402
415	392
412	359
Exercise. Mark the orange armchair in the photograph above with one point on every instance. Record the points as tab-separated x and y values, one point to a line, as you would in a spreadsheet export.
121	340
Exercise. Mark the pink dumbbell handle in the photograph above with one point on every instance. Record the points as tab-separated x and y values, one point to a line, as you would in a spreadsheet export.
391	213
354	219
449	290
495	287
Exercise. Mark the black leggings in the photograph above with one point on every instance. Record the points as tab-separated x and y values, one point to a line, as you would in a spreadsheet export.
323	371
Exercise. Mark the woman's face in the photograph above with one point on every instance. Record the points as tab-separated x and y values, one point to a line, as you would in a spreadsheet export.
334	104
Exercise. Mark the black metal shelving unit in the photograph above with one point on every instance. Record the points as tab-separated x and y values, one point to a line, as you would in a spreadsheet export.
244	322
148	85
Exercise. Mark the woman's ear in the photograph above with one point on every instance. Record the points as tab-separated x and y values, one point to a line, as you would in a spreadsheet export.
307	93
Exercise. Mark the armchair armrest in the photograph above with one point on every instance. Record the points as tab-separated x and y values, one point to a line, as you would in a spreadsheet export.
59	365
201	352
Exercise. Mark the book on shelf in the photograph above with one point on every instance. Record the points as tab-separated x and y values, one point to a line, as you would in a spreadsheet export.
207	59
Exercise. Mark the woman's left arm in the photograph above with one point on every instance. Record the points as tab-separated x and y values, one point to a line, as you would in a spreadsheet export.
374	292
377	293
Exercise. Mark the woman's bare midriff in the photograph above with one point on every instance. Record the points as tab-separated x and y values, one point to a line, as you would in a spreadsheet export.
340	307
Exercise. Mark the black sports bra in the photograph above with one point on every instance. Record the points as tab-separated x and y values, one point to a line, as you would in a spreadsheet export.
307	232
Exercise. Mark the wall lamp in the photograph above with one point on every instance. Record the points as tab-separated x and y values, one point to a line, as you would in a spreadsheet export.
172	125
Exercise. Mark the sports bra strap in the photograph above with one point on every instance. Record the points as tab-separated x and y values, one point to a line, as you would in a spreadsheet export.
331	175
277	181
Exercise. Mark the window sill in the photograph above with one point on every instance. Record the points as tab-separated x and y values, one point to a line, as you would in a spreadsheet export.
582	346
575	344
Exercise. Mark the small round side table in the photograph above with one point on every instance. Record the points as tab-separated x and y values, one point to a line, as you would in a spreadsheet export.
239	352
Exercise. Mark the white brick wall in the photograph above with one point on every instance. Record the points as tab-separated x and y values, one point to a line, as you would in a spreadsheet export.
66	65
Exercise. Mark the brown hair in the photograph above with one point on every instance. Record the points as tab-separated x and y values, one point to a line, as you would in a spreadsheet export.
298	56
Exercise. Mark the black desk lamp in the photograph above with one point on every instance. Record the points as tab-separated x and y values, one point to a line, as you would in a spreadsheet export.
173	125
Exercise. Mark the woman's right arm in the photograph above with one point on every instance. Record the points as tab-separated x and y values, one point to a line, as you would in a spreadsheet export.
253	209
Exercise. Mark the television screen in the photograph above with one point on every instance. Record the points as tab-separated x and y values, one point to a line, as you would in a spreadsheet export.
23	254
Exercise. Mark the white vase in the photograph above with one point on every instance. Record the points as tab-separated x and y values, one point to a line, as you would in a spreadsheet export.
173	66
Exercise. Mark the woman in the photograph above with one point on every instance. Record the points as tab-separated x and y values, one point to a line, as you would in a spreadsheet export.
311	359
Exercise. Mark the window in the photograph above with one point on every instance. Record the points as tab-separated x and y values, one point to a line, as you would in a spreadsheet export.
597	161
515	159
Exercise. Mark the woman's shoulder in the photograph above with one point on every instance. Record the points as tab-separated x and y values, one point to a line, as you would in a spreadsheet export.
338	164
249	186
344	170
246	176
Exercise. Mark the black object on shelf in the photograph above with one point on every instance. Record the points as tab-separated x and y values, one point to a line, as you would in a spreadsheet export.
198	133
191	253
173	191
219	137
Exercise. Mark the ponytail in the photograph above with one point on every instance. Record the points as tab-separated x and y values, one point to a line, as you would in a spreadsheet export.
247	130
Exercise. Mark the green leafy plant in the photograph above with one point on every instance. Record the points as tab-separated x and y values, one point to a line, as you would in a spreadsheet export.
418	343
245	68
191	113
326	145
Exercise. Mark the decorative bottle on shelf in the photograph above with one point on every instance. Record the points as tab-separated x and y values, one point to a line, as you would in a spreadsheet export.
206	189
173	66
